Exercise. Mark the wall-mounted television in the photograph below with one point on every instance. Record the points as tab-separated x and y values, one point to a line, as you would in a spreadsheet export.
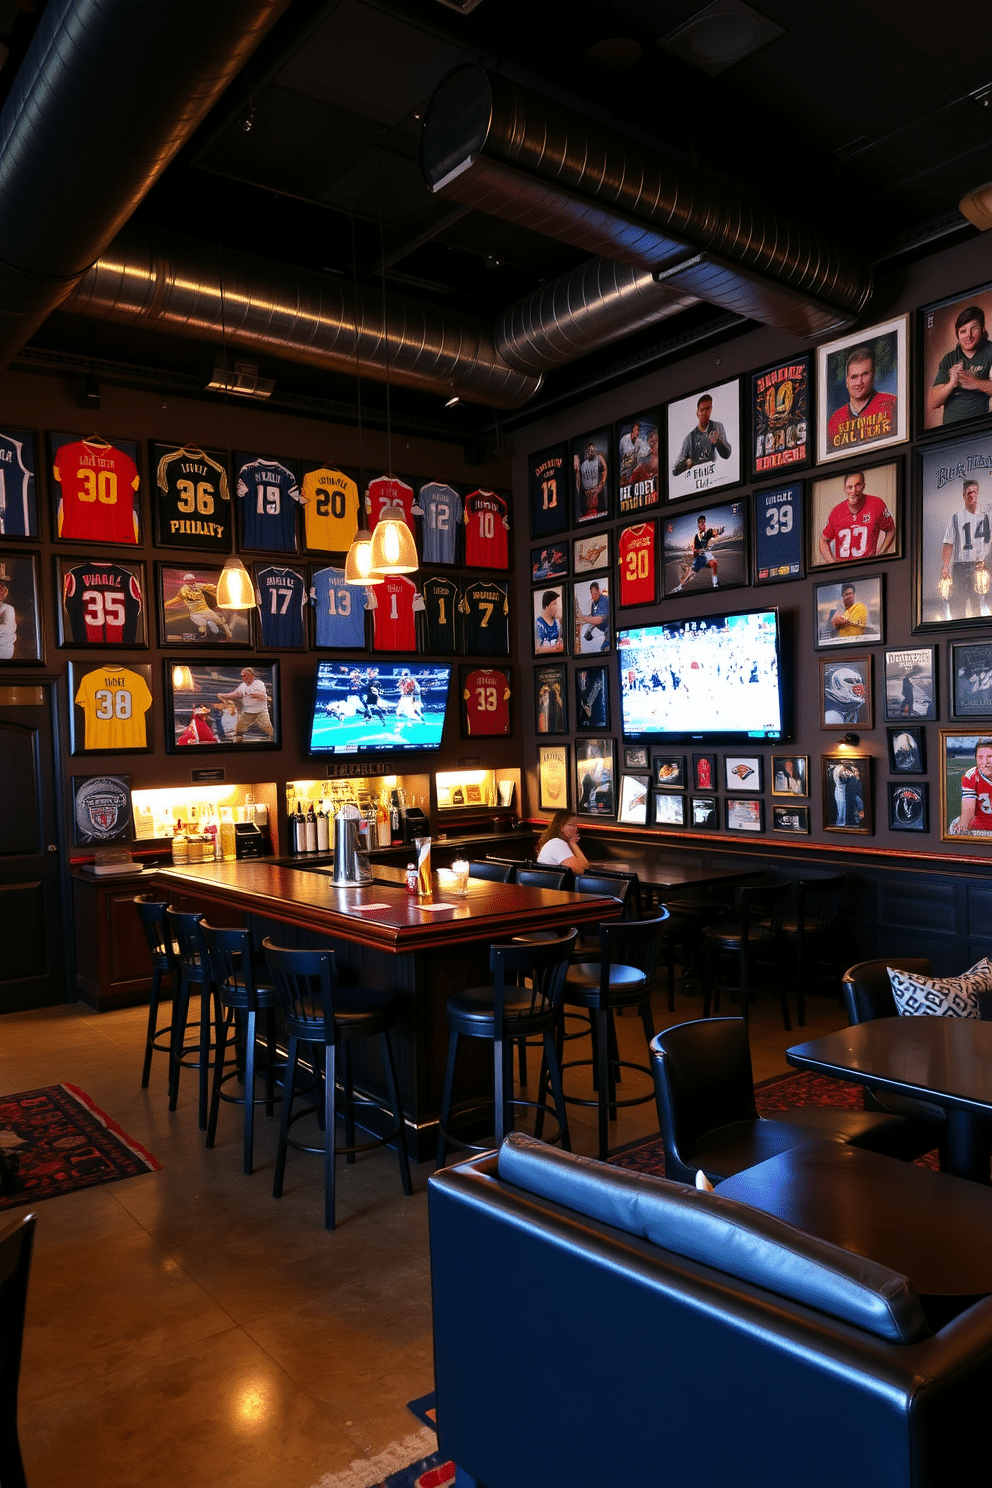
712	677
386	708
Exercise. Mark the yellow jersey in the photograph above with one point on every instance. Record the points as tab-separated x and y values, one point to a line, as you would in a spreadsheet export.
330	510
114	701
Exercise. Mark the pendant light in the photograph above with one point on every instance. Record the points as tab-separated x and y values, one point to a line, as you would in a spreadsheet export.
182	679
358	564
235	590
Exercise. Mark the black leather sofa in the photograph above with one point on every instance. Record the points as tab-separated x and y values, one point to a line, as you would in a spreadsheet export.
594	1326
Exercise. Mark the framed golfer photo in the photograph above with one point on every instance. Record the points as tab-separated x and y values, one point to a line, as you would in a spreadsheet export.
781	422
862	391
955	361
704	441
705	549
953	550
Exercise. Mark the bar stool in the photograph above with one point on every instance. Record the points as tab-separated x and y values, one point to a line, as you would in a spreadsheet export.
811	928
318	1012
165	959
194	971
735	947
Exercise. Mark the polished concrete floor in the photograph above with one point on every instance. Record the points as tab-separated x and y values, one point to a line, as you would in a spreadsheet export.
186	1328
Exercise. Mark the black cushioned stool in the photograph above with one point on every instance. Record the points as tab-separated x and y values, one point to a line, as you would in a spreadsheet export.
165	962
736	946
242	998
194	971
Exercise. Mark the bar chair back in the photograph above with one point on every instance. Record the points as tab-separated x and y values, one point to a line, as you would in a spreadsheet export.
16	1245
543	878
736	946
194	971
493	872
164	955
810	931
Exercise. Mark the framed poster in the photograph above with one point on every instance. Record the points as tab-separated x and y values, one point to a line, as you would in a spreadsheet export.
592	699
20	608
909	805
781	425
971	679
847	798
744	816
550	707
110	708
191	497
635	757
591	625
954	533
704	772
590	553
637	461
548	490
595	774
634	792
101	809
669	811
704	441
907	749
486	699
282	594
845	693
955	360
637	564
848	613
854	518
549	624
188	612
102	602
268	497
862	390
553	777
18	483
790	775
668	771
549	562
910	683
591	478
965	784
214	705
704	813
794	819
779	534
704	550
742	772
95	489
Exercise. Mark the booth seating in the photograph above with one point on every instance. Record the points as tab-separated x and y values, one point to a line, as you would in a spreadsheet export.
758	1355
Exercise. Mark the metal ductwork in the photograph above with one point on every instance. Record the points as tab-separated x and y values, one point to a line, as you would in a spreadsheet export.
183	287
499	148
108	91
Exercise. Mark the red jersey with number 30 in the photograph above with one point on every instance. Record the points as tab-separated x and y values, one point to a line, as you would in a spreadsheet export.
393	625
487	702
97	484
389	491
486	528
636	549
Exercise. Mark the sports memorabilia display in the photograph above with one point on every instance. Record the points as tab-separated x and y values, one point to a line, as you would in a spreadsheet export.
862	391
592	698
778	534
954	535
441	597
595	775
705	550
95	483
592	627
102	603
385	491
192	498
704	441
18	488
486	607
268	495
956	360
636	557
846	693
909	805
910	690
101	809
548	492
331	506
781	427
111	704
590	552
591	477
849	613
340	611
553	777
487	524
550	706
486	694
847	794
190	613
637	461
20	608
855	517
440	509
234	705
281	594
393	624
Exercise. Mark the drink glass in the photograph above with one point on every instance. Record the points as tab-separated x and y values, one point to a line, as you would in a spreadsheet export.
460	869
423	846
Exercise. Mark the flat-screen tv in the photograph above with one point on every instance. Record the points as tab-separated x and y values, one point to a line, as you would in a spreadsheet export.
388	708
713	677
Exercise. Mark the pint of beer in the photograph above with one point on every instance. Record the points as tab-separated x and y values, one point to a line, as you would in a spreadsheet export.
423	846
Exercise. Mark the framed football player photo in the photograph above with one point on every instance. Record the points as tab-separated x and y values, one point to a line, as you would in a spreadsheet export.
20	609
549	562
548	489
955	361
592	628
18	483
779	534
742	772
634	793
790	775
849	613
592	699
668	771
268	498
102	602
847	794
907	747
110	707
910	683
191	497
781	421
909	805
553	776
854	517
95	486
221	705
101	810
549	625
550	699
637	461
953	533
744	816
188	611
970	668
595	776
704	549
965	784
846	693
591	478
637	564
590	553
669	811
862	391
793	819
704	441
486	694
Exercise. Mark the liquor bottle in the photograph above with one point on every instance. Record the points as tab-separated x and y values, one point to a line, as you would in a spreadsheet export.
311	830
323	829
300	827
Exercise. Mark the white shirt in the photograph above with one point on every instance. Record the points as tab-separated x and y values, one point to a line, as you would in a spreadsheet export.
554	852
8	631
968	534
254	698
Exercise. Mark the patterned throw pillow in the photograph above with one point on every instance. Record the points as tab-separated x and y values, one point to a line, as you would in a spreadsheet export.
944	997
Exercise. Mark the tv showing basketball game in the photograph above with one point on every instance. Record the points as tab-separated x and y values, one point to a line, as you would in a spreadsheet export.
384	709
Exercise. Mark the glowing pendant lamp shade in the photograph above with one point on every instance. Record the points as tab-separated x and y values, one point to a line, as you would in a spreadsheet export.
393	548
182	679
235	590
358	564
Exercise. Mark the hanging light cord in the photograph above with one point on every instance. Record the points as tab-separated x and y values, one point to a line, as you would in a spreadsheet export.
385	328
358	360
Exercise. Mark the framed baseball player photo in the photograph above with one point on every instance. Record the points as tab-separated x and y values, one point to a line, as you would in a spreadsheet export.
110	707
590	553
212	706
855	517
846	693
592	699
550	699
101	810
486	695
18	483
792	819
188	611
847	795
704	441
592	626
591	487
907	748
955	361
549	490
549	626
781	418
849	613
637	461
953	535
910	683
634	793
595	776
549	562
553	776
779	532
637	565
102	602
705	549
862	391
95	484
909	805
20	609
965	784
970	679
742	772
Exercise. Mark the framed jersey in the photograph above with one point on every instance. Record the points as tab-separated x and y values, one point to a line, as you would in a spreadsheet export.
778	534
548	490
102	602
637	549
95	488
389	490
191	497
440	510
441	597
229	706
18	483
486	608
281	593
486	696
110	707
188	610
394	626
268	497
331	504
487	526
339	608
20	609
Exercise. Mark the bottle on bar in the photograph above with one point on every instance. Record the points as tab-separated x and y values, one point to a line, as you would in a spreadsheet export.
311	829
300	828
323	830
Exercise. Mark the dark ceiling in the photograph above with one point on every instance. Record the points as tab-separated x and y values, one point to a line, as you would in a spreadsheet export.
870	119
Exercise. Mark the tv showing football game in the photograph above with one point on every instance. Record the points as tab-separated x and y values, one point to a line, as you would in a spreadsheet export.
715	677
384	709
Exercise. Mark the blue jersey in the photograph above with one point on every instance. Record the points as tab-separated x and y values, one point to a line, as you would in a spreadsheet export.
340	610
442	510
268	492
282	595
17	509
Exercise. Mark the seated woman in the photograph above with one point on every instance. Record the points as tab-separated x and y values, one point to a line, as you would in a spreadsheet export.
558	845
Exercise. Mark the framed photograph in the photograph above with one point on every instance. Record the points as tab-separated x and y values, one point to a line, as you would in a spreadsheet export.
954	533
634	792
101	810
745	816
191	497
637	564
553	777
591	478
549	563
790	775
592	628
742	772
781	422
548	490
862	391
704	772
971	680
595	775
704	441
910	683
907	749
95	489
909	805
955	361
635	757
794	819
846	693
213	705
550	706
592	699
965	785
102	602
18	483
704	550
110	708
486	700
668	771
188	612
548	608
854	518
283	602
849	613
637	461
590	553
847	799
704	813
268	498
669	811
20	608
779	534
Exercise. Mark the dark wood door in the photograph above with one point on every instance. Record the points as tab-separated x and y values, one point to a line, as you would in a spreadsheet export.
32	969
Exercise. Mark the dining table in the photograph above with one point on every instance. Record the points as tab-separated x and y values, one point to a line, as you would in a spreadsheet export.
665	875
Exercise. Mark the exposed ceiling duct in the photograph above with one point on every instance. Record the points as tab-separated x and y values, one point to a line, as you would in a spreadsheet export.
501	149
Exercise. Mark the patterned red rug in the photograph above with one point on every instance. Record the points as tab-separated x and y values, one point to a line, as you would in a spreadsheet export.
55	1140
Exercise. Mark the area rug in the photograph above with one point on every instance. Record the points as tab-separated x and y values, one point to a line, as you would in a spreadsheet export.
57	1141
403	1464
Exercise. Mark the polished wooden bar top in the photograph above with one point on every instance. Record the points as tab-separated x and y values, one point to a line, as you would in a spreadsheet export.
382	914
948	1060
